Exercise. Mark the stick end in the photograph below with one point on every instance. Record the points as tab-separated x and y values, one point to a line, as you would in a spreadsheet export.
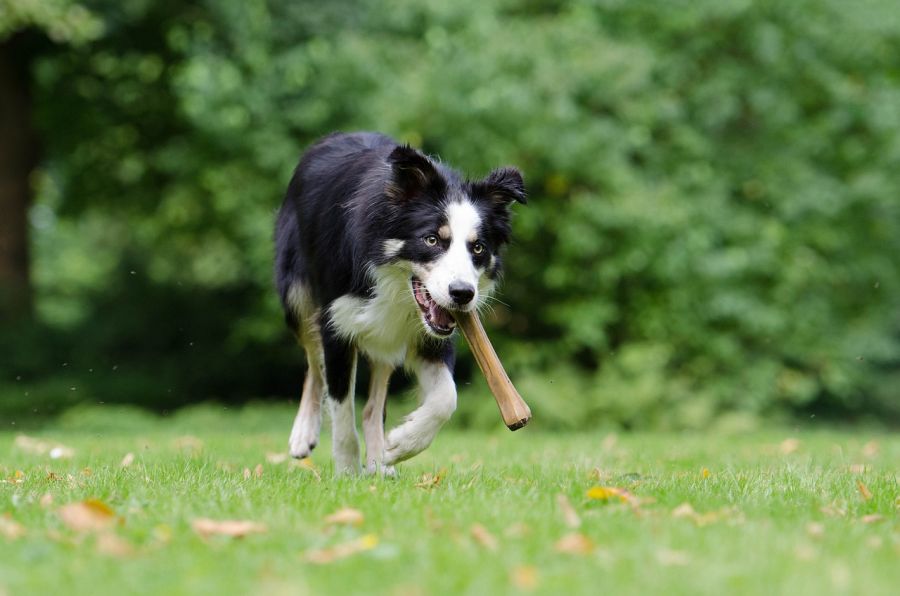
518	423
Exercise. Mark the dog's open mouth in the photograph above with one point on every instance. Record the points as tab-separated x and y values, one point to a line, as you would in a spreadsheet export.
436	317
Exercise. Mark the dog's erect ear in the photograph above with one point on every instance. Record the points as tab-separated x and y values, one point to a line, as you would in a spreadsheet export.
504	185
412	172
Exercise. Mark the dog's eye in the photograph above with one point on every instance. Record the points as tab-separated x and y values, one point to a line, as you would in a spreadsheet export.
478	248
431	240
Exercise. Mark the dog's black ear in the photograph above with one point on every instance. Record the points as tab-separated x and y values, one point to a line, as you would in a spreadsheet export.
412	173
504	185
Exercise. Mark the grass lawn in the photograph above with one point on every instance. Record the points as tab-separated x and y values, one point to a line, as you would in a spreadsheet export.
787	511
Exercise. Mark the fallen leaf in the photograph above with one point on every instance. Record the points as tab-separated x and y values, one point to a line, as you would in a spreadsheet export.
235	528
871	449
789	446
872	518
246	473
127	460
570	516
46	500
684	510
608	493
18	477
609	442
307	465
574	544
87	472
671	558
833	510
258	470
90	515
864	490
524	577
517	530
483	537
815	529
341	551
857	469
705	473
346	516
113	545
430	480
276	458
9	529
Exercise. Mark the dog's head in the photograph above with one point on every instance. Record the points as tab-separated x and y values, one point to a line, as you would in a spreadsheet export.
448	232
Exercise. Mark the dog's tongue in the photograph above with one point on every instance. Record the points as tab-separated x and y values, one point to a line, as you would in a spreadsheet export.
439	316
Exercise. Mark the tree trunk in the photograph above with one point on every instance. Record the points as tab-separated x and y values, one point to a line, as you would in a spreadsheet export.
18	157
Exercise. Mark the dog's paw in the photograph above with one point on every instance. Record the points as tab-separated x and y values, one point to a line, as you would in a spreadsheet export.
400	446
304	437
384	470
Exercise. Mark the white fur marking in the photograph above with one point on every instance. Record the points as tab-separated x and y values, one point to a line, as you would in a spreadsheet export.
385	326
420	427
456	264
392	247
344	440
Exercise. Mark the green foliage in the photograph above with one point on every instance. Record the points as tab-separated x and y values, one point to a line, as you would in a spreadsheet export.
713	226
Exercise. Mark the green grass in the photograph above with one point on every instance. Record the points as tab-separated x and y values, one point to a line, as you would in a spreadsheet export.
772	517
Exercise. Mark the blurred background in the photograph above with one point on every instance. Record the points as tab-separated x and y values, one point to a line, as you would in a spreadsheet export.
712	237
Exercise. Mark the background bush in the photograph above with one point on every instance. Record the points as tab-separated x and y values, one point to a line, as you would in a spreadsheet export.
713	231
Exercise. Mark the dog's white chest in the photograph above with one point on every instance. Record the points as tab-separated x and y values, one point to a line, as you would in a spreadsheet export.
384	326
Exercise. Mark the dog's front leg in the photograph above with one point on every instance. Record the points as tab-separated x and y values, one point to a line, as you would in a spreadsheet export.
420	427
340	379
373	419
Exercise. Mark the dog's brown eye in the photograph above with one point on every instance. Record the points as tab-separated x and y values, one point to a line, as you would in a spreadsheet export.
478	248
431	240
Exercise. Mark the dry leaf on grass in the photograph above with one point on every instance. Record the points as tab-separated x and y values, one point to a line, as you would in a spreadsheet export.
610	493
41	447
91	515
483	537
46	500
574	544
127	460
322	556
524	577
18	477
431	480
686	511
345	516
9	529
871	449
815	529
872	518
705	473
307	465
834	510
276	458
227	527
113	546
789	446
570	516
864	491
517	530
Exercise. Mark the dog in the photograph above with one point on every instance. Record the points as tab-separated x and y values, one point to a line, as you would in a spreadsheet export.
376	245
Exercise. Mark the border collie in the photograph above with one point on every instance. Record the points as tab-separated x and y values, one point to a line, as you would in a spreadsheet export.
376	244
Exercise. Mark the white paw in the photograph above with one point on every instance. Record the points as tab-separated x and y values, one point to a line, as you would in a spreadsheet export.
373	468
304	437
400	445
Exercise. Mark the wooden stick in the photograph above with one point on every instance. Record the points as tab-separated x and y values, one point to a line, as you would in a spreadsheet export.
513	409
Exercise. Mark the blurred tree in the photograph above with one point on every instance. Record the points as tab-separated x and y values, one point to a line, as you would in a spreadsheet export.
63	21
714	220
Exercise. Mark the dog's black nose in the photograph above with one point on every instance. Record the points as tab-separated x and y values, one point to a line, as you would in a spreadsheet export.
461	292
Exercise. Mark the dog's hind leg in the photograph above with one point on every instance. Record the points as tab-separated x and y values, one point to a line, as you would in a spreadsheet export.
419	428
305	433
373	419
